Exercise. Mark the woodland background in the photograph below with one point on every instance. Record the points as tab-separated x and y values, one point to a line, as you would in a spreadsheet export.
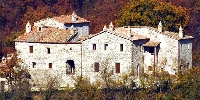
16	13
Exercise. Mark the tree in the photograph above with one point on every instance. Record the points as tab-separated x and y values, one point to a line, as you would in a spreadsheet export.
150	12
46	81
17	79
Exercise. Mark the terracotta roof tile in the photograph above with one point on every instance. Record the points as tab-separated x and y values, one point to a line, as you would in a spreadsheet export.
151	44
47	35
173	35
68	19
121	32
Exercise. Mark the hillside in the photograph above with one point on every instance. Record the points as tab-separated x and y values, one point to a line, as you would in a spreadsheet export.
15	14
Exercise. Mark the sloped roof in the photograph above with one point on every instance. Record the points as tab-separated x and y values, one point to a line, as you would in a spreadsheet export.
121	32
48	34
151	44
173	35
68	19
176	36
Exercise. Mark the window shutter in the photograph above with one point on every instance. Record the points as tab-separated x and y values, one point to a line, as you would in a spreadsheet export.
50	65
96	67
117	67
31	49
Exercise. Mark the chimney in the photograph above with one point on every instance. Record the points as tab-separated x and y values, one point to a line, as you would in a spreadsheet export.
160	27
111	27
129	32
180	32
28	27
104	28
74	17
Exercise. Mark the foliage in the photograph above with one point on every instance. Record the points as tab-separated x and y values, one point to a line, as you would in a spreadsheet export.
150	12
10	39
17	79
187	85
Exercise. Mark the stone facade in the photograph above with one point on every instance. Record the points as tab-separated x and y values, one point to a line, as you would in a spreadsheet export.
172	47
66	22
67	50
53	57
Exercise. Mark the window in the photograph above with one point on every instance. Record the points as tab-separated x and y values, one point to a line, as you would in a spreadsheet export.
96	67
150	68
34	64
50	65
105	46
40	29
48	50
138	70
188	65
188	46
31	49
94	46
117	67
121	47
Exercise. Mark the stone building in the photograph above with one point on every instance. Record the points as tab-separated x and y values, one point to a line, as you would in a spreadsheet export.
63	47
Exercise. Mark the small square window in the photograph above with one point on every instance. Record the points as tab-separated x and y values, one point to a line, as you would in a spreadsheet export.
96	67
48	50
94	46
31	49
50	65
105	46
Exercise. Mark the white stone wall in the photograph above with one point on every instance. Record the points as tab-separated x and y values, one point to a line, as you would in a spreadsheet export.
138	57
106	58
168	52
83	28
59	54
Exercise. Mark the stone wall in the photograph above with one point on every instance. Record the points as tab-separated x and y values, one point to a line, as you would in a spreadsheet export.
168	50
83	28
138	58
185	47
58	56
106	58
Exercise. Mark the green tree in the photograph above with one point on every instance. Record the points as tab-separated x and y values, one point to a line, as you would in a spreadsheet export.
150	12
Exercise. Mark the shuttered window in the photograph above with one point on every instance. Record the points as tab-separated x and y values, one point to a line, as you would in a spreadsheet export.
50	65
31	49
117	67
96	67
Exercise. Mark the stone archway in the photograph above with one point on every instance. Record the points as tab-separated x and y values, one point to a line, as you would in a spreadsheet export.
70	67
